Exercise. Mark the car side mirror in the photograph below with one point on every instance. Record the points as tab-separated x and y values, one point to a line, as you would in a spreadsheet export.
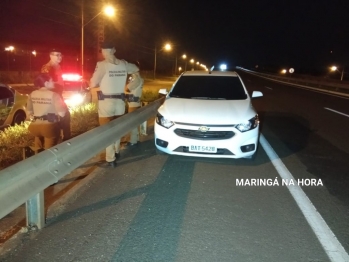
163	91
257	94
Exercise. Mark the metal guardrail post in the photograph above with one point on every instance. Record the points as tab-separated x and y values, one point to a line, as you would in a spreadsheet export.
143	126
29	178
35	211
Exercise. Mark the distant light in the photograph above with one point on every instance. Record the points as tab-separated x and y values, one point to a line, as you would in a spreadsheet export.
9	48
71	77
333	68
283	71
109	10
223	67
34	53
291	70
168	47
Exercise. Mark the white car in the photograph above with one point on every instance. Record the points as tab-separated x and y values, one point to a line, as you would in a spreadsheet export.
207	114
12	106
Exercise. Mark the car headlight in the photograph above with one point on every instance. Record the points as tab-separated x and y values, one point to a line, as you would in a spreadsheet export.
162	121
248	125
74	100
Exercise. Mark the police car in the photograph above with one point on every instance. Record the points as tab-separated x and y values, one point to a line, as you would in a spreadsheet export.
75	90
12	106
207	114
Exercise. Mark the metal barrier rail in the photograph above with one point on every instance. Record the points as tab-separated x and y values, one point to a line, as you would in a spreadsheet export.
25	181
324	85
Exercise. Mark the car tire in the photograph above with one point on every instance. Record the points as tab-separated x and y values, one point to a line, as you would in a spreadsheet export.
251	158
159	152
19	118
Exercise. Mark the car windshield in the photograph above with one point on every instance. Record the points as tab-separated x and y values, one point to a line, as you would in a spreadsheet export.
209	87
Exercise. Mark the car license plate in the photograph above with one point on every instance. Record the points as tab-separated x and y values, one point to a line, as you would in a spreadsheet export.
203	149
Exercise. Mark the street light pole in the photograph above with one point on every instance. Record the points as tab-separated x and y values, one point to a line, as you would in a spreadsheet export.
166	47
334	68
108	10
82	38
155	62
8	50
176	66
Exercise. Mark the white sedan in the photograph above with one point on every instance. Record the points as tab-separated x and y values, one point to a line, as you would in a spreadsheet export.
208	114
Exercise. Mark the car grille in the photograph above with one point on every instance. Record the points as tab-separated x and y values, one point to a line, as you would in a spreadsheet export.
208	135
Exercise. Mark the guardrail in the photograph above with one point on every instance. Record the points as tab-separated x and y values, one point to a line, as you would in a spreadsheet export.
323	85
25	181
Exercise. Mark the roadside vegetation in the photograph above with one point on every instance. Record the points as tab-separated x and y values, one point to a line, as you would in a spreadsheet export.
14	139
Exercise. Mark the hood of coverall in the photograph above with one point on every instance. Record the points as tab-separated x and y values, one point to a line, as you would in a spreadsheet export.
108	55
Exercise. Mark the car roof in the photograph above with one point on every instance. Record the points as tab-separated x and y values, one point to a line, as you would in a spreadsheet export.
210	73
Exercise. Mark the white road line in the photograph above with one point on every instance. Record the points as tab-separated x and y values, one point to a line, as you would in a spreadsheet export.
268	88
336	111
328	240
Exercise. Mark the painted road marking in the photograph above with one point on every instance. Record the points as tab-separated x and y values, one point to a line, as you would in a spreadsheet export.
336	111
328	240
268	88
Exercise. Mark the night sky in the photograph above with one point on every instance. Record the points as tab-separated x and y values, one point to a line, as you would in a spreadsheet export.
306	35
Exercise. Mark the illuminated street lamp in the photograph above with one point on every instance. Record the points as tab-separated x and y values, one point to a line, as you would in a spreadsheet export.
192	62
334	68
185	58
30	60
8	50
108	11
167	47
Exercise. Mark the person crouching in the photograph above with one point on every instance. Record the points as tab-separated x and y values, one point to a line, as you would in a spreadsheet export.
45	108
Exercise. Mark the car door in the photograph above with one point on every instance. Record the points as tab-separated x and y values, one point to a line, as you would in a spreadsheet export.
6	103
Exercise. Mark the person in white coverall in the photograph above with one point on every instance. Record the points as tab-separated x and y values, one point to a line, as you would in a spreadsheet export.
134	90
46	108
110	75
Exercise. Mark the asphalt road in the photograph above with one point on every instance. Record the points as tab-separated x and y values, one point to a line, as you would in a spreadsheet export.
170	208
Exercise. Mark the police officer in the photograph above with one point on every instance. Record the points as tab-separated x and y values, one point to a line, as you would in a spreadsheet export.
110	75
133	93
45	108
53	68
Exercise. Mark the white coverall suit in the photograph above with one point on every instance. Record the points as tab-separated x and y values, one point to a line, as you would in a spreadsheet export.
110	75
134	87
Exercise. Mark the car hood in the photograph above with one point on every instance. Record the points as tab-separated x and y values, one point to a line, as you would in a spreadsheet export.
208	112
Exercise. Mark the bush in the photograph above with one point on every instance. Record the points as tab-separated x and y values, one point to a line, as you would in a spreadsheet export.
83	118
14	138
12	141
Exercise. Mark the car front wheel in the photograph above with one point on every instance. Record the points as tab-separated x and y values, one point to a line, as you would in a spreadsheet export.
19	118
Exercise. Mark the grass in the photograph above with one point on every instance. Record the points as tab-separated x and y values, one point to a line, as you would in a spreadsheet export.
15	138
83	118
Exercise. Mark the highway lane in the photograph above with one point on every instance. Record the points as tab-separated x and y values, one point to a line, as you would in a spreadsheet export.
169	208
312	142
